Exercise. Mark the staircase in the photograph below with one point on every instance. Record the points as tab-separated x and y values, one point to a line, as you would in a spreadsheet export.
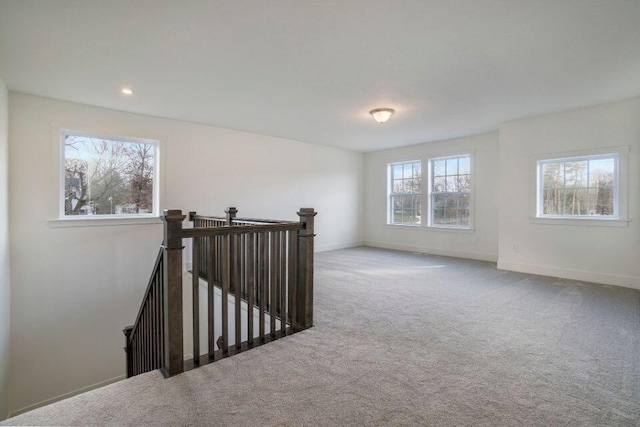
259	287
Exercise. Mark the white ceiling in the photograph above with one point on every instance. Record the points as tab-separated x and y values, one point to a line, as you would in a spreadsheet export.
312	70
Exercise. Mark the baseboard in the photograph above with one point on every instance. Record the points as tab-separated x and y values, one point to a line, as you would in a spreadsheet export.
480	256
566	273
335	246
65	396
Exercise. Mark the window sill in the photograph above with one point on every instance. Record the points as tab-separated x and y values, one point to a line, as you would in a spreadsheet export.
99	221
430	228
590	222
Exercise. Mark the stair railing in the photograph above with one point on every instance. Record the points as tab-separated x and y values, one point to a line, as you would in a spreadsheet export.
265	266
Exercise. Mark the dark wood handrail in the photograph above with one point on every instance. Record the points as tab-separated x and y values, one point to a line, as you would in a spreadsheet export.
239	229
154	272
256	220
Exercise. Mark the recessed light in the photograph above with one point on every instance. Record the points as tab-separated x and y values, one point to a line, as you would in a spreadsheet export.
127	91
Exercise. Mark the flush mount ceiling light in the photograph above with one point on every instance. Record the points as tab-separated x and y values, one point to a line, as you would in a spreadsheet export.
127	91
381	115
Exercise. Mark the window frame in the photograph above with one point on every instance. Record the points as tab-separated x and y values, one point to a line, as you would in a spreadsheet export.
61	220
430	192
391	194
620	217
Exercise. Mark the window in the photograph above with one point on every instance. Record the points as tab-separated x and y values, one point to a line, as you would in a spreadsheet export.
404	193
576	187
108	176
450	191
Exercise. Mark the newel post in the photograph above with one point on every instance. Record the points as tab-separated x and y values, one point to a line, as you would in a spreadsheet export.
231	214
128	350
172	244
305	269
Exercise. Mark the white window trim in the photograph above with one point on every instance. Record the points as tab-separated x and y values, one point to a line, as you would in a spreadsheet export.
59	220
621	190
471	226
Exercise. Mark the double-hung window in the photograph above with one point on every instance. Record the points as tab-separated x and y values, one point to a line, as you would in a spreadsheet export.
450	191
404	193
107	176
578	187
445	195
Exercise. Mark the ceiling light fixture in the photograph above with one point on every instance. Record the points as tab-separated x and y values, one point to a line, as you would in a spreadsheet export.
127	91
381	115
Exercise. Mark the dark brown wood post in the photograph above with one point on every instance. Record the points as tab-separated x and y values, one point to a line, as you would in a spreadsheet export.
128	350
231	214
174	352
305	270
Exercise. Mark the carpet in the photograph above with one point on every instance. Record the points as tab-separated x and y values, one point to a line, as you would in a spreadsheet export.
407	339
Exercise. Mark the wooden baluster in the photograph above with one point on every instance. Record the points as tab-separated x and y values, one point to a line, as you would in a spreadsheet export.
195	284
226	279
152	328
262	276
250	267
282	272
237	277
273	267
211	297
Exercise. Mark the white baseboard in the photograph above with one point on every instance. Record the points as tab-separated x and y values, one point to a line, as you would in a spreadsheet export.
480	256
566	273
65	396
335	246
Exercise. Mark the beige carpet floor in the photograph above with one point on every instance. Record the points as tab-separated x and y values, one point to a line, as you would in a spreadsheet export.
408	339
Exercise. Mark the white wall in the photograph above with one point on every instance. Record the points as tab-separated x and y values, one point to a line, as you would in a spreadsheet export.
600	254
5	289
74	289
481	243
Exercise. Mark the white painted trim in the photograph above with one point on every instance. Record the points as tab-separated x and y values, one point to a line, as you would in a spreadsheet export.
65	396
430	228
336	246
99	221
566	273
581	221
480	256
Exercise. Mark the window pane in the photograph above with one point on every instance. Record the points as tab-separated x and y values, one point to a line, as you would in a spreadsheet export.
451	201
464	183
397	171
438	216
464	165
553	174
104	176
452	166
438	168
464	217
452	183
463	201
439	183
438	201
601	172
575	174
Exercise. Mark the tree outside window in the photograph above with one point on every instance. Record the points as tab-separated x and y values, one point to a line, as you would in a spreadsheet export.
578	187
108	176
450	192
404	194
